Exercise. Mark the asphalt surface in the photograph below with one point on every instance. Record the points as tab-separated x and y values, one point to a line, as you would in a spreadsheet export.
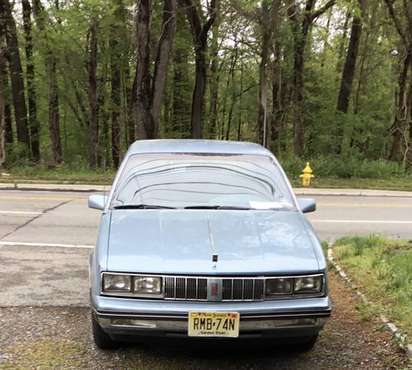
51	234
46	237
63	218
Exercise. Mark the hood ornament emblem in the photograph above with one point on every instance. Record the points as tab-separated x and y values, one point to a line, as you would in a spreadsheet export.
214	260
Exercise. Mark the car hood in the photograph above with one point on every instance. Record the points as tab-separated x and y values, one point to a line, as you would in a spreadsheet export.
184	242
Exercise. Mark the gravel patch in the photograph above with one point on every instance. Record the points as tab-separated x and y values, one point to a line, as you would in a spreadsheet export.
60	338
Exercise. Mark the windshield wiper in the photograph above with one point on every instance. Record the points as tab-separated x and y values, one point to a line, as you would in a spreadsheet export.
142	206
218	207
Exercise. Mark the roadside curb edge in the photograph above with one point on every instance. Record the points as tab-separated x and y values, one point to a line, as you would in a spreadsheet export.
352	192
400	337
298	191
54	187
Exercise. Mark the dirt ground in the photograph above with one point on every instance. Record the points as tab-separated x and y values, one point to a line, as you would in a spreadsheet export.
60	338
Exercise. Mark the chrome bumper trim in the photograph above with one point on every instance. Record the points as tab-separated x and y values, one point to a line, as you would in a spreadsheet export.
178	323
315	314
182	325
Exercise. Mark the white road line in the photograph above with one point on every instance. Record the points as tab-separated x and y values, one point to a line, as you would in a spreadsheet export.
362	222
56	245
20	213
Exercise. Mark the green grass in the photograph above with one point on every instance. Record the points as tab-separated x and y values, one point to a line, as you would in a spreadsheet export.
345	167
329	173
106	177
350	172
382	269
390	183
58	175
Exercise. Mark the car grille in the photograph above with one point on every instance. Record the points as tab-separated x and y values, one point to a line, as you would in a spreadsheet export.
195	288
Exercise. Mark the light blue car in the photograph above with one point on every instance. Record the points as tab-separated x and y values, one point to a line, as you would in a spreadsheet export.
205	239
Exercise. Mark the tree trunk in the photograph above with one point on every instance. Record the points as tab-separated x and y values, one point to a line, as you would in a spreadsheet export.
408	151
132	119
54	114
269	19
214	81
8	126
2	128
104	155
263	76
404	29
150	92
2	103
92	95
162	61
231	72
115	81
398	124
276	99
180	122
16	73
300	36
240	122
342	43
199	90
52	85
144	121
8	129
115	108
199	34
350	63
34	125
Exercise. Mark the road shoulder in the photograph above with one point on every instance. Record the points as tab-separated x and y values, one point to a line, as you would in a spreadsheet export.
60	337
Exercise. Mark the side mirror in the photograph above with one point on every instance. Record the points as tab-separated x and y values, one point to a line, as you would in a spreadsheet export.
97	201
307	205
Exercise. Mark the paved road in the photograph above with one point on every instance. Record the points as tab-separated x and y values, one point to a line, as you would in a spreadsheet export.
50	234
45	240
63	218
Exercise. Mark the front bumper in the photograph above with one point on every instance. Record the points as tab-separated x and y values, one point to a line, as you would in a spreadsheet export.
292	318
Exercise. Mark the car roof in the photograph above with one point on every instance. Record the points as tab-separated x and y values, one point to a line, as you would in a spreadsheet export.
196	146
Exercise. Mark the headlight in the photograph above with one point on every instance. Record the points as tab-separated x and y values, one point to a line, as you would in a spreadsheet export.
308	284
113	283
278	286
147	285
132	285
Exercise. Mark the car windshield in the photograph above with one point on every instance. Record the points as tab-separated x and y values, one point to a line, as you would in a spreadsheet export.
176	180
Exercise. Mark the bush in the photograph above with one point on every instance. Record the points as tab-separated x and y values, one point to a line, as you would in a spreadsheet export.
16	155
340	167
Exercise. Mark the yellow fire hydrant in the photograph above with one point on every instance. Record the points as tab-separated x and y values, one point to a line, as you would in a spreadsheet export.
307	175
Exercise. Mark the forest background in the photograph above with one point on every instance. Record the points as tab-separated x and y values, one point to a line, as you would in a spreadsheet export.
326	81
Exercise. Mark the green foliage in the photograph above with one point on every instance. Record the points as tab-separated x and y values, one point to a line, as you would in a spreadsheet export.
68	173
16	155
366	127
383	270
344	167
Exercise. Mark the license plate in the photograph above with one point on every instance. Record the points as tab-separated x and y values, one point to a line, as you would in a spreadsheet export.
213	324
